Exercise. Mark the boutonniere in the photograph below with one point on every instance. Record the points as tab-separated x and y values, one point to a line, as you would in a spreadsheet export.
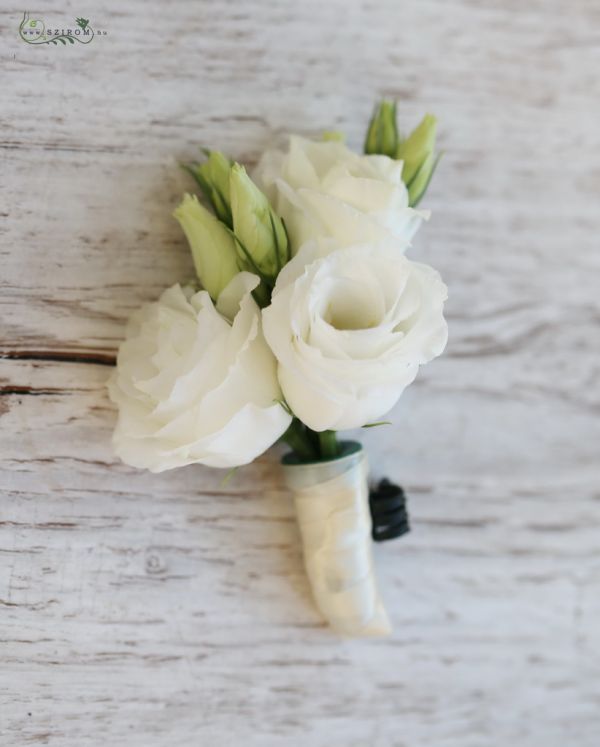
308	319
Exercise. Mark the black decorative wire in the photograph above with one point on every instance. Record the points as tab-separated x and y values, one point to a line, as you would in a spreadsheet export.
388	511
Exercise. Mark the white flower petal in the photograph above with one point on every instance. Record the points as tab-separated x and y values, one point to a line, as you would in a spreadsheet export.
349	328
195	383
323	189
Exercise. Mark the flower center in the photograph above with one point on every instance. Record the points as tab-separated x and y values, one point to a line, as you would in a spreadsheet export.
351	307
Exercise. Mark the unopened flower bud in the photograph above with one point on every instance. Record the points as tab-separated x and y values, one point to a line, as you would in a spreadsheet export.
213	246
417	153
261	237
382	135
213	178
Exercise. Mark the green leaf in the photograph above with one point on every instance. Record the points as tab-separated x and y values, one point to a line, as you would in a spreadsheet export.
228	477
285	406
376	425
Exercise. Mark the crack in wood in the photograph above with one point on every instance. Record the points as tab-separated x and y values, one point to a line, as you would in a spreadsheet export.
61	356
30	391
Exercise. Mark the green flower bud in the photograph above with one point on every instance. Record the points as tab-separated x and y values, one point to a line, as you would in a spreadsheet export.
382	135
420	181
213	246
262	240
213	179
417	147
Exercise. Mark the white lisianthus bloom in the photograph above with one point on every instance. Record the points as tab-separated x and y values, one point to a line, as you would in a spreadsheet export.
323	189
197	383
350	327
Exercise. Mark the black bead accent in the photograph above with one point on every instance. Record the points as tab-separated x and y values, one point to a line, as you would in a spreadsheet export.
388	511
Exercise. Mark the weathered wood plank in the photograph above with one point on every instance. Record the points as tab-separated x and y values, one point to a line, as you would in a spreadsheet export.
173	609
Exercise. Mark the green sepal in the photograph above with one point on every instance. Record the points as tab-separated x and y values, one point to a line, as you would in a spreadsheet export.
418	186
212	177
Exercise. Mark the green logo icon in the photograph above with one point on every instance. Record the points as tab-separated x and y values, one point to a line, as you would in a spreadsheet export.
34	31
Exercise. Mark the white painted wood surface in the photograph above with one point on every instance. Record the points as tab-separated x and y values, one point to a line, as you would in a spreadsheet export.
172	610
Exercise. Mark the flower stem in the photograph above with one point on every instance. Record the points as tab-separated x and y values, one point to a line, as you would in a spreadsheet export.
309	445
262	295
328	444
297	437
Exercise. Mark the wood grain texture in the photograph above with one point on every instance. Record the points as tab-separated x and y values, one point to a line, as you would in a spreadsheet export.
171	610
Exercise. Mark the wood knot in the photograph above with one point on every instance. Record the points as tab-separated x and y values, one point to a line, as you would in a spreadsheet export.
154	563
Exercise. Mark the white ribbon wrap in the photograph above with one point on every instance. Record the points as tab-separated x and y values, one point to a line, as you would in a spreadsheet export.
332	506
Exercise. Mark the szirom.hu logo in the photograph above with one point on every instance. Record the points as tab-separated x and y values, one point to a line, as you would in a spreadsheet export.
34	31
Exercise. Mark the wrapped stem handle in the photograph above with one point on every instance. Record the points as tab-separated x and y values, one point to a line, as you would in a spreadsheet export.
332	507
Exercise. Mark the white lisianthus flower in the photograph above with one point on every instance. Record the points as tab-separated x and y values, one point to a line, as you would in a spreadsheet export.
350	327
197	383
323	189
